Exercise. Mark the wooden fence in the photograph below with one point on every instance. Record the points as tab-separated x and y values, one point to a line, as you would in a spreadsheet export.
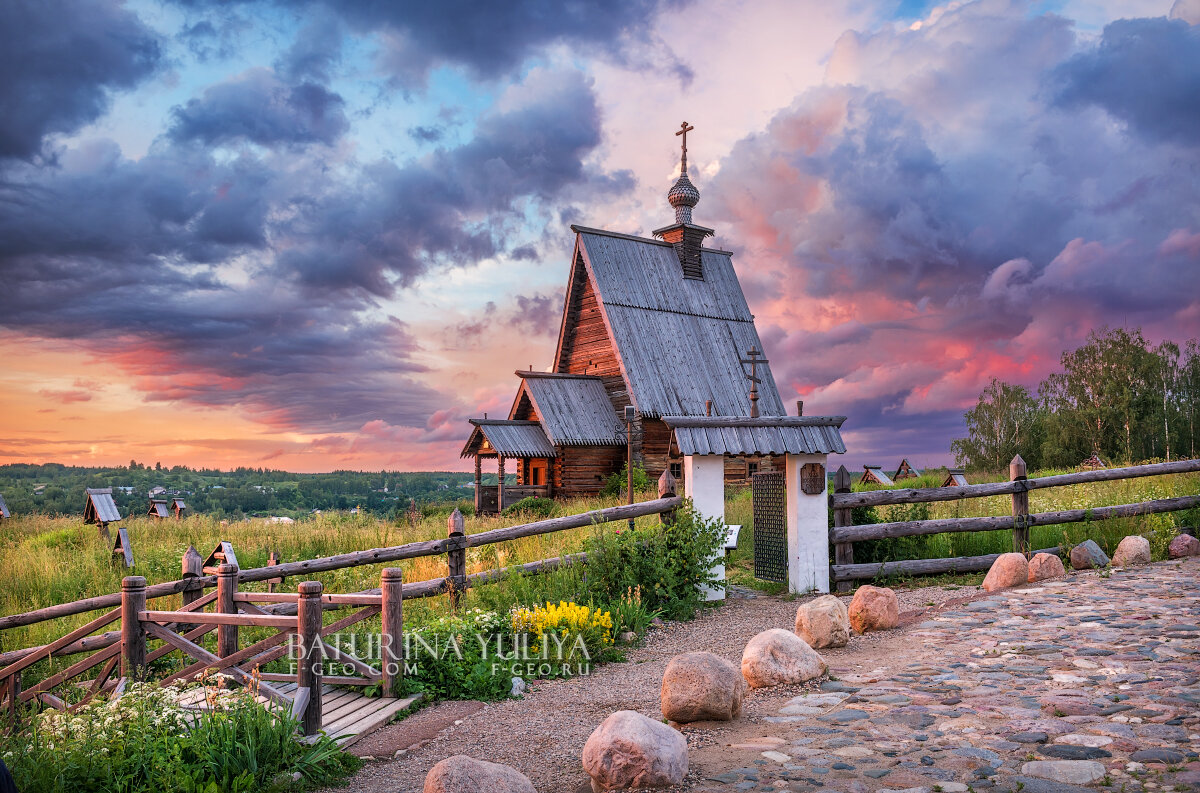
844	533
296	617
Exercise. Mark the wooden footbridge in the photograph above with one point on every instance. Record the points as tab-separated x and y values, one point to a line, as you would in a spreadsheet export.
322	702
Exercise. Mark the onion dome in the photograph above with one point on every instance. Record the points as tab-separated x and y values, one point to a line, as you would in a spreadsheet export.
683	195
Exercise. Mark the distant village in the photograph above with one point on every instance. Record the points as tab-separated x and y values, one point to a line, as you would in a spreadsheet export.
163	492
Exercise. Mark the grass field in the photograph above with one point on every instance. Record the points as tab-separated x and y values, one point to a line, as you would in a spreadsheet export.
47	560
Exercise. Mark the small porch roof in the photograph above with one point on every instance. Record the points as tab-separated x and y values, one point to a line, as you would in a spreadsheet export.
735	435
508	439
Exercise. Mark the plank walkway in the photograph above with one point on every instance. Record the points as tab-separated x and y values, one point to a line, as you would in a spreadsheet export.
346	715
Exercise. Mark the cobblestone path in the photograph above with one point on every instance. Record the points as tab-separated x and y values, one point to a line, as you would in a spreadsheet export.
1084	683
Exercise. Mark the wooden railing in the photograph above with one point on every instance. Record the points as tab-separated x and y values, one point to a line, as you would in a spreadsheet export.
844	534
296	617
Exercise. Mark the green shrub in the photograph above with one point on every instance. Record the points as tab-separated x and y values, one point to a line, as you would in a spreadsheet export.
146	741
668	563
616	482
537	507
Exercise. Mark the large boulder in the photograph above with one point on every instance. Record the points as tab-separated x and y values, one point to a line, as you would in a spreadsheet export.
1087	554
1132	550
824	622
1009	570
701	687
462	774
1184	545
629	750
1045	565
874	608
777	656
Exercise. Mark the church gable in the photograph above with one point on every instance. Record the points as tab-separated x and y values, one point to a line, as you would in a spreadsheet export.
585	345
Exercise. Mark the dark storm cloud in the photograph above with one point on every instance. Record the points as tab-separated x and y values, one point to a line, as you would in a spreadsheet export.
61	62
144	261
1145	72
397	220
315	52
259	107
492	38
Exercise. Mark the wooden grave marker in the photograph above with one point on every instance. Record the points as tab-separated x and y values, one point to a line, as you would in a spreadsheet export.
222	554
122	548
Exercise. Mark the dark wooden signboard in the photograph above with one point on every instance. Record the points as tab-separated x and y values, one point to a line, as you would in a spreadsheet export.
812	479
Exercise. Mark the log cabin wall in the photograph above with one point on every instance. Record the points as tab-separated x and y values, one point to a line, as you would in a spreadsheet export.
655	447
584	470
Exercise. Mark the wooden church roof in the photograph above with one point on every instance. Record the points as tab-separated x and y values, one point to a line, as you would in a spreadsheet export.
574	410
679	341
508	439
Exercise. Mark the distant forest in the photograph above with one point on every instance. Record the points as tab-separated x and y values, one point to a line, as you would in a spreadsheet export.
1117	396
58	489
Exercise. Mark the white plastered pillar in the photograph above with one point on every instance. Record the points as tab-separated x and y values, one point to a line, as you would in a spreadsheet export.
704	484
807	529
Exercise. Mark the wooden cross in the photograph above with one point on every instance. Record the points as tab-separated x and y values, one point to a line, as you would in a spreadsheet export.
684	129
754	361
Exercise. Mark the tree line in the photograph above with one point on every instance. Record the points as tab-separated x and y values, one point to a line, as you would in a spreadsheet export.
52	488
1117	396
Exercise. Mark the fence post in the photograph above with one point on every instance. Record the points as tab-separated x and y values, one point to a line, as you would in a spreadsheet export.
843	552
1020	506
273	561
391	586
227	635
308	674
133	636
14	700
193	568
456	553
666	489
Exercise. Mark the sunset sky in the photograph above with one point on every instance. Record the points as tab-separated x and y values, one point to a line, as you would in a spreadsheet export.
319	235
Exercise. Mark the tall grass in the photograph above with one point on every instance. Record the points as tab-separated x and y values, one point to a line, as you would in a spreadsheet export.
49	560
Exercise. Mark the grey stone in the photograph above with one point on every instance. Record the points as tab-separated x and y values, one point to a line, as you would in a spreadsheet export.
845	716
1032	784
1030	737
1088	555
1064	751
1071	772
1168	756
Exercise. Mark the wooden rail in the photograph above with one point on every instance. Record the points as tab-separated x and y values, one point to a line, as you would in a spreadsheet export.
844	533
879	498
296	616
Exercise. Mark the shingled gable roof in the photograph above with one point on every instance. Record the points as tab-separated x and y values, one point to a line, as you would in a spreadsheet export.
508	439
679	340
573	409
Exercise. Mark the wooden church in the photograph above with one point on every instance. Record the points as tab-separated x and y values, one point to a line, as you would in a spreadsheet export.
657	325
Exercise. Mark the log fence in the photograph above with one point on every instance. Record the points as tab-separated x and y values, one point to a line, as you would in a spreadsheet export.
844	533
296	618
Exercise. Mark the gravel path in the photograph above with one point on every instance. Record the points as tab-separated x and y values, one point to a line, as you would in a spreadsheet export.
542	734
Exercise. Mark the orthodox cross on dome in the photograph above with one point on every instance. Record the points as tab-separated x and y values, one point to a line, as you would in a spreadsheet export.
683	195
754	361
684	129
